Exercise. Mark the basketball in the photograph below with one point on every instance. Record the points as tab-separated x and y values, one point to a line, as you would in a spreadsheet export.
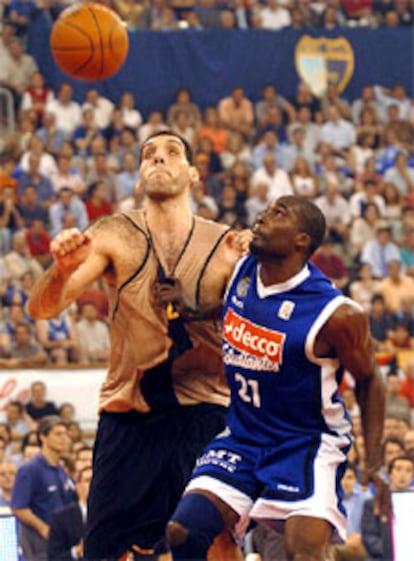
89	42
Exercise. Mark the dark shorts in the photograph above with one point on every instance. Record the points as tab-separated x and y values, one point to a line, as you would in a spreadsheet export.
142	463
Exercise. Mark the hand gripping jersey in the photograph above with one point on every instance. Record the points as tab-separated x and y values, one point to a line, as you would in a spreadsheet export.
278	387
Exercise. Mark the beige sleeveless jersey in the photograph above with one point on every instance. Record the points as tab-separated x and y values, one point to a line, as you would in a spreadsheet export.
139	329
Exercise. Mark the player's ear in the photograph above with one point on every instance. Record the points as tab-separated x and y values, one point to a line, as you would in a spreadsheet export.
194	175
303	242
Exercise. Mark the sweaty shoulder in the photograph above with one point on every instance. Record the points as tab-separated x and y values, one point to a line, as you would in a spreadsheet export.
122	241
347	336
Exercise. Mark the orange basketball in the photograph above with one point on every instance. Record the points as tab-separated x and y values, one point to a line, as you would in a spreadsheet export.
89	42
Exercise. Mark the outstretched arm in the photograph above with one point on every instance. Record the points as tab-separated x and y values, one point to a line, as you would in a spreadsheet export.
79	259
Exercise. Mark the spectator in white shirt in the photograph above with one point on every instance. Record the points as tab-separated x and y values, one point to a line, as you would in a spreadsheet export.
401	175
67	112
337	213
274	16
93	335
131	116
394	96
101	107
338	133
359	201
276	178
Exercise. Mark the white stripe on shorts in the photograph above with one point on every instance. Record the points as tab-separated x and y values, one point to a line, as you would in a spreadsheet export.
237	500
324	501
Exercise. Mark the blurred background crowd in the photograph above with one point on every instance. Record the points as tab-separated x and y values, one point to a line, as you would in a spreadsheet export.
69	162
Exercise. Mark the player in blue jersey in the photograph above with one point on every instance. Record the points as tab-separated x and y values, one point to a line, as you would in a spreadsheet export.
288	334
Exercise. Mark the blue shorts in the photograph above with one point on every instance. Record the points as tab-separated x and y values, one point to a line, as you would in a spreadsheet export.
300	475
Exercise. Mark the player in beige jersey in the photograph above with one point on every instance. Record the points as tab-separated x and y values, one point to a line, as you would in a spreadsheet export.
165	394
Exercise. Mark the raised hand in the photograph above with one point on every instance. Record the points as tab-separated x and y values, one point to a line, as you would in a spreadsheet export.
70	248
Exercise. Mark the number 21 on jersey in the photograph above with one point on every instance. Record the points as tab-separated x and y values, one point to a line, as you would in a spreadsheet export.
248	390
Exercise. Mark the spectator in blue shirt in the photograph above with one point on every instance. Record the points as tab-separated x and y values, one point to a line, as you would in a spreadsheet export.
40	488
354	499
67	203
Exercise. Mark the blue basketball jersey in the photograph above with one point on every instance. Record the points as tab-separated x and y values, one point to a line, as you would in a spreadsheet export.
278	387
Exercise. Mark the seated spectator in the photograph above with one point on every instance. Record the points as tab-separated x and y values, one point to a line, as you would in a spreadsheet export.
330	263
393	207
361	199
257	202
391	148
17	420
407	252
337	213
47	163
236	151
364	287
338	133
95	202
393	96
101	172
276	178
95	293
392	447
305	98
93	335
208	13
127	179
396	287
19	260
214	130
312	129
329	173
363	228
365	101
38	407
59	338
332	98
182	127
409	443
296	149
236	112
184	103
8	471
36	96
130	115
360	152
211	184
370	125
11	219
230	210
155	123
65	176
407	385
85	132
30	207
381	250
24	351
33	177
376	534
205	146
273	121
38	239
274	15
381	324
353	501
268	144
101	107
67	203
67	412
395	404
67	112
17	70
51	136
114	129
401	176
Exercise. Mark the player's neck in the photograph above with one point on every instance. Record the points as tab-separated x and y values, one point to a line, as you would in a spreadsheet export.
273	271
172	216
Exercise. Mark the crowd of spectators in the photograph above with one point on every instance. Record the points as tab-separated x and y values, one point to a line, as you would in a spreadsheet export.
69	163
230	14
